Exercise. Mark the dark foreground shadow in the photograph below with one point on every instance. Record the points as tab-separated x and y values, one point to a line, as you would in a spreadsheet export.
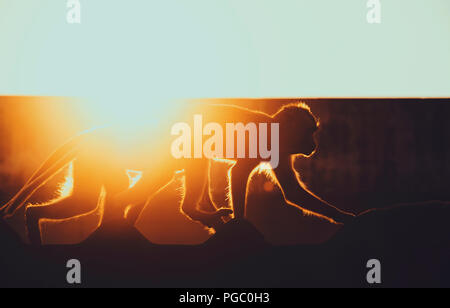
412	242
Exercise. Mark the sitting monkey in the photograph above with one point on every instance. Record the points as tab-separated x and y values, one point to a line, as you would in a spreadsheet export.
100	163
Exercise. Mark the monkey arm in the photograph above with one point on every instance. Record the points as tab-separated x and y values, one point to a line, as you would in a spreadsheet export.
34	184
299	195
139	195
240	174
136	209
53	164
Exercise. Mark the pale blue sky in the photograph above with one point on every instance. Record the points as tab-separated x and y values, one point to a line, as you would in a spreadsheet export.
225	48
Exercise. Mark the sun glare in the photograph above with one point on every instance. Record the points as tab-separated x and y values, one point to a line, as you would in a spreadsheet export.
66	188
129	111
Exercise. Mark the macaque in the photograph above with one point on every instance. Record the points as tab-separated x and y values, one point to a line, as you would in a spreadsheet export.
99	163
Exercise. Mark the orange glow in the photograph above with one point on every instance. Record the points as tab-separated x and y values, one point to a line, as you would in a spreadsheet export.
269	186
225	161
264	168
127	210
66	188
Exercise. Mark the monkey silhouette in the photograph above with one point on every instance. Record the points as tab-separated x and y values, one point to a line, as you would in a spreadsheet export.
99	166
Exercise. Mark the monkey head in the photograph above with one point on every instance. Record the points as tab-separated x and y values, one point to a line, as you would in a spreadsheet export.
298	127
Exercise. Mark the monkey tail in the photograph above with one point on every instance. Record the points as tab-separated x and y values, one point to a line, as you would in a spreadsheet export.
54	163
